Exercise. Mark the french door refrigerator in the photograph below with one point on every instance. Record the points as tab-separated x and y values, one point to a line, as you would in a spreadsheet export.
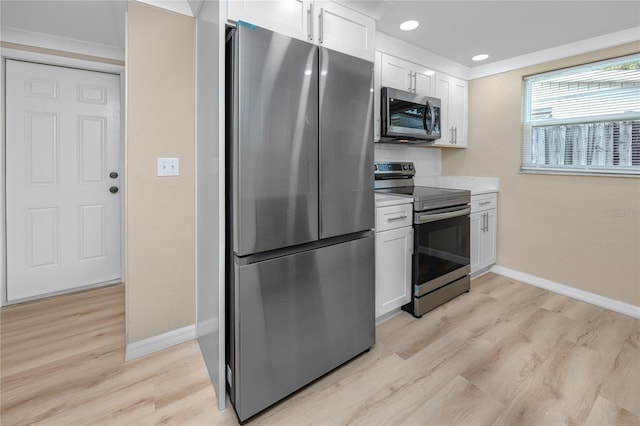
300	210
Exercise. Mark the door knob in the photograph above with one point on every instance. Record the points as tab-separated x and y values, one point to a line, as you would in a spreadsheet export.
113	175
113	189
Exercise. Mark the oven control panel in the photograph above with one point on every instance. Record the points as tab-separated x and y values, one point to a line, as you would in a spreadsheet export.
393	169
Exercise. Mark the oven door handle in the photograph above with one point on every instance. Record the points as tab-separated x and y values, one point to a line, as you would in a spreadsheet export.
426	217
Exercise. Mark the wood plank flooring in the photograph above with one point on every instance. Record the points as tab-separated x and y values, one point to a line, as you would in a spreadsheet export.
503	354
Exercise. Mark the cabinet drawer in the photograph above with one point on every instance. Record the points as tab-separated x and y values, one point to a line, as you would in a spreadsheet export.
483	202
392	217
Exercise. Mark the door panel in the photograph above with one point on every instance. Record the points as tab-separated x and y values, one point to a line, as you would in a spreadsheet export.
346	144
62	141
42	237
275	182
42	144
299	316
91	149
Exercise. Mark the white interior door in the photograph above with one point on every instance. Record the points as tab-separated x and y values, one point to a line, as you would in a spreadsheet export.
62	145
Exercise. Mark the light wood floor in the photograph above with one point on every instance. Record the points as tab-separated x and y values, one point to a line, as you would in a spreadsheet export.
503	354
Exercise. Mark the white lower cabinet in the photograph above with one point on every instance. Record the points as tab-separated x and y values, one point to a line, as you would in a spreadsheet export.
394	249
483	232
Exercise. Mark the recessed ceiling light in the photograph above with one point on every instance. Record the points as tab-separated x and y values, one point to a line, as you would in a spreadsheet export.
481	57
409	25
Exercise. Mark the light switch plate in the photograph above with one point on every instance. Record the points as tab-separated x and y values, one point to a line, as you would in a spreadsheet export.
168	167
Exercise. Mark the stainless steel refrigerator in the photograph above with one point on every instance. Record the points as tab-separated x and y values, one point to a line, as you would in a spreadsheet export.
300	210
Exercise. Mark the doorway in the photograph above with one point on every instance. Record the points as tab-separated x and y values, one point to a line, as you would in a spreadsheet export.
63	179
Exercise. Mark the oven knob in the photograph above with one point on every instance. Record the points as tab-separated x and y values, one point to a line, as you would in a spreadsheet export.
410	166
405	167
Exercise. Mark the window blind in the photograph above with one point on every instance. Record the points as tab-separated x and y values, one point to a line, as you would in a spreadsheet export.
583	119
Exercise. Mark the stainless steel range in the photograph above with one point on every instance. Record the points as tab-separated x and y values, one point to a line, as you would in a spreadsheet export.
441	263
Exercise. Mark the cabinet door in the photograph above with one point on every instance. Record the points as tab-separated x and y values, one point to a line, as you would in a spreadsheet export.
458	106
443	84
289	17
475	239
453	120
488	249
345	30
424	81
396	73
393	269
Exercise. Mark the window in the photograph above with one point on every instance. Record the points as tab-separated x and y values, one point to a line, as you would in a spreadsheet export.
584	119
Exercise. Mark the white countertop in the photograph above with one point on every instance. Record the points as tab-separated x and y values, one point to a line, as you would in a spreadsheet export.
477	185
384	199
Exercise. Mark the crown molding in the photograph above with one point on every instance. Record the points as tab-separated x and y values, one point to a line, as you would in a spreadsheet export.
46	41
559	52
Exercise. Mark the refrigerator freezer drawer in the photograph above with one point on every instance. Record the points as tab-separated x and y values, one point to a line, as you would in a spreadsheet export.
298	317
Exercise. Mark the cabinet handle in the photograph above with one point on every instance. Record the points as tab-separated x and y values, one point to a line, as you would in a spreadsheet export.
415	82
391	219
410	84
455	134
484	203
321	25
310	22
451	134
486	221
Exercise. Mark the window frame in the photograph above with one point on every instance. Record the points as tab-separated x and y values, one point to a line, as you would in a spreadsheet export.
528	125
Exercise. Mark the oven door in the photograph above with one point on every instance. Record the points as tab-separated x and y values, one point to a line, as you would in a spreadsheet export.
441	248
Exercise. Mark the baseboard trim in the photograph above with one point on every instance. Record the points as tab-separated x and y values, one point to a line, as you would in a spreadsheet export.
159	342
574	293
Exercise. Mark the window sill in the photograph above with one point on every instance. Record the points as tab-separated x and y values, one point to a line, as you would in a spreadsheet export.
578	173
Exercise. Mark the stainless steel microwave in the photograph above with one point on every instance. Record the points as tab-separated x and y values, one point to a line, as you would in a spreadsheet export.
408	117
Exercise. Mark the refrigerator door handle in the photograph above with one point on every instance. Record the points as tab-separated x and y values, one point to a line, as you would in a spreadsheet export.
310	23
321	25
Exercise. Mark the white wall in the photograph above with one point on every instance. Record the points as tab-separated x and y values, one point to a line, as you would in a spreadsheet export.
210	195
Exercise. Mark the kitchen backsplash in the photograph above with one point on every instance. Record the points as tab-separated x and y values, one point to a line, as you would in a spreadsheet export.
427	161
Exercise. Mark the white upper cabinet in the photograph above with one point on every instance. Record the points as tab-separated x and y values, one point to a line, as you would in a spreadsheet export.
320	22
345	30
454	95
289	17
404	75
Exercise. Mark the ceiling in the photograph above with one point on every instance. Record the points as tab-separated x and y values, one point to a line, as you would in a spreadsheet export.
456	30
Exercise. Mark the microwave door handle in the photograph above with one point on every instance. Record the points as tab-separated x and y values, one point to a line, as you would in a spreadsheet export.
427	109
433	120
